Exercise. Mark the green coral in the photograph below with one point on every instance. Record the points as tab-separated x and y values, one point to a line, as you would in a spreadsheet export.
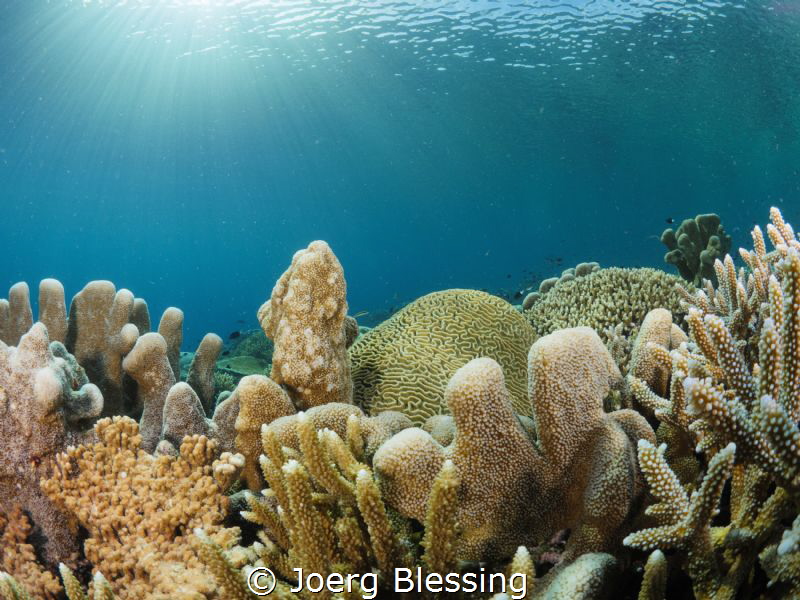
695	246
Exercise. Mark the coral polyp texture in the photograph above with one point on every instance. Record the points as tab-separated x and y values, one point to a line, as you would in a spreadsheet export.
606	298
404	364
461	436
140	511
734	393
579	474
306	319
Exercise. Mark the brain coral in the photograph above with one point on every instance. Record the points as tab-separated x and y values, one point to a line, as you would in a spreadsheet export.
404	364
606	298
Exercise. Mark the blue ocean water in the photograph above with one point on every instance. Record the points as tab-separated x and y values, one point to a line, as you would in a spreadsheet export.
185	150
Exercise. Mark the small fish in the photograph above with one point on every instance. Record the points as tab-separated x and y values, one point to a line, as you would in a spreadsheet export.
670	221
240	321
234	335
508	276
518	294
361	313
226	353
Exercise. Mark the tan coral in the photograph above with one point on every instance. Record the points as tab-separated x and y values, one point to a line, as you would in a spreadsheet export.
15	314
100	334
404	364
647	362
201	371
140	511
171	329
148	364
606	298
305	318
18	558
261	401
735	384
44	400
580	475
335	416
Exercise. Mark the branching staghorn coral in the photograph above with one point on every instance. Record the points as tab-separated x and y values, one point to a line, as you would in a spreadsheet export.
684	522
404	364
140	510
739	383
306	319
515	491
323	512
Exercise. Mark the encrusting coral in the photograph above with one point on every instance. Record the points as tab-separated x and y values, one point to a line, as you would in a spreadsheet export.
695	246
405	363
531	496
305	318
735	389
606	298
140	510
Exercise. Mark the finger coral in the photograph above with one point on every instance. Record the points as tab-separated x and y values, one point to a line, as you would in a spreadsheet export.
305	318
695	246
531	496
140	511
404	364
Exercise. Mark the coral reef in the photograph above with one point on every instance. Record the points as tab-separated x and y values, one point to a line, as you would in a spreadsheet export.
531	496
305	318
140	511
324	513
456	443
404	364
606	298
695	246
735	390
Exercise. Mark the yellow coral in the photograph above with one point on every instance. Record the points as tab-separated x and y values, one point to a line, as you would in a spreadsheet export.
18	559
140	510
405	363
604	299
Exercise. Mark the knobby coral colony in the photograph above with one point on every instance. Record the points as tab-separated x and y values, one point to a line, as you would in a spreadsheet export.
460	447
